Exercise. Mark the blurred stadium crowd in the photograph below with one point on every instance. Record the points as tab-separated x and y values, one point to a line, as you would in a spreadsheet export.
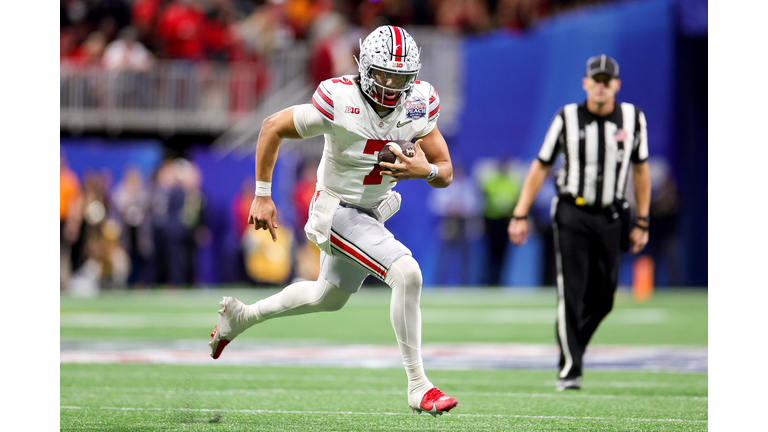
129	34
138	231
169	53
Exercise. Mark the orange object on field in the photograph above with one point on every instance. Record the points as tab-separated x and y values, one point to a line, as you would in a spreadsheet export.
642	278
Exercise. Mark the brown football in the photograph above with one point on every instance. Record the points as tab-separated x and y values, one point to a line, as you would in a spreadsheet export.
386	155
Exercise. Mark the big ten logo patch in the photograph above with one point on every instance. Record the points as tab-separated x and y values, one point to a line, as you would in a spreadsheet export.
352	110
416	108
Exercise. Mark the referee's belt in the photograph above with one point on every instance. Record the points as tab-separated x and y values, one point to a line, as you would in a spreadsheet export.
579	203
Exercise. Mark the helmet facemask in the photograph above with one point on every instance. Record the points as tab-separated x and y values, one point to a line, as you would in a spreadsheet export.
389	86
389	65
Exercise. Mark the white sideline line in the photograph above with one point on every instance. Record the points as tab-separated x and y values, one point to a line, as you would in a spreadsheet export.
430	315
251	392
386	414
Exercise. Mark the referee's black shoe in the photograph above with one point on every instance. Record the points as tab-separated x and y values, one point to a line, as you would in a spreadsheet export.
569	384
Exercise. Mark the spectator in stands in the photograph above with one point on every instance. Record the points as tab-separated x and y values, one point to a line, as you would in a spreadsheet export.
185	227
664	211
180	30
126	53
131	199
458	209
519	15
68	43
463	16
87	55
392	12
106	263
90	52
70	218
300	14
96	206
266	30
222	40
144	15
331	48
500	183
367	17
164	179
127	61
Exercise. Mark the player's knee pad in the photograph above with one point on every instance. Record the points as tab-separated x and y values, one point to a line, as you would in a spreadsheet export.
405	273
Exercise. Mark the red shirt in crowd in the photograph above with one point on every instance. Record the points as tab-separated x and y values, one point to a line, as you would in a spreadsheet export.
181	29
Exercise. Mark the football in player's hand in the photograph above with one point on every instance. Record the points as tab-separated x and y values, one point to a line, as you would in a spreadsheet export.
386	155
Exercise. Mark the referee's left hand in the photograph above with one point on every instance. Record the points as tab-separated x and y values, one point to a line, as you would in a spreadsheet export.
518	231
638	239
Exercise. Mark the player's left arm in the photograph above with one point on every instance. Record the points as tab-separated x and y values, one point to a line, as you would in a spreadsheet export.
430	149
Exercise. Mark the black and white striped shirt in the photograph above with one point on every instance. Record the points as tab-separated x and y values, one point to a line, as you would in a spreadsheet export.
597	151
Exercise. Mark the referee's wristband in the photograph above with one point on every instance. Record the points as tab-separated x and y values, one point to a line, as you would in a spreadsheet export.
645	219
263	188
525	217
433	174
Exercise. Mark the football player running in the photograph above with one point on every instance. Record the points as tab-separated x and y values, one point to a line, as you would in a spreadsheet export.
358	115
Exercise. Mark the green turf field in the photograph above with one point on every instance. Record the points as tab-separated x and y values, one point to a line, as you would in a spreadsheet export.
230	397
669	318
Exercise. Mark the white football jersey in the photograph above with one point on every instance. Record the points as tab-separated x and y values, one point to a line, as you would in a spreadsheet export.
349	166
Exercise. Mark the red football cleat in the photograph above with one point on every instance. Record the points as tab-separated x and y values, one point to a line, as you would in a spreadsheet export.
233	320
436	403
217	344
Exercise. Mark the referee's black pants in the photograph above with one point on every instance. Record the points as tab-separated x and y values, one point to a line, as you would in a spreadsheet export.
587	246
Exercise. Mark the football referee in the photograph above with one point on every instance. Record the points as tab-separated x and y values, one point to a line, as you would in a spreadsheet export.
598	139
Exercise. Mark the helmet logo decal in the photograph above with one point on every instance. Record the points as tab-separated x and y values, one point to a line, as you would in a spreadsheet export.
398	42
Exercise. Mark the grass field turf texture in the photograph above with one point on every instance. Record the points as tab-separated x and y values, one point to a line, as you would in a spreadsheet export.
176	397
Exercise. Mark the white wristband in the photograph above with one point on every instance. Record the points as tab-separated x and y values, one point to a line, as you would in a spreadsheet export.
263	188
433	174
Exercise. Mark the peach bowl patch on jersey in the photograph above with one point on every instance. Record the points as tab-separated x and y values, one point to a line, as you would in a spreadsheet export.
415	108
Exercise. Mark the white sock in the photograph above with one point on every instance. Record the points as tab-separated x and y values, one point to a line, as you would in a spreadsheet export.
297	299
404	277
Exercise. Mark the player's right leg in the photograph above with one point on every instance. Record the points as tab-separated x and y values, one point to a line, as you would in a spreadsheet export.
404	277
296	299
361	240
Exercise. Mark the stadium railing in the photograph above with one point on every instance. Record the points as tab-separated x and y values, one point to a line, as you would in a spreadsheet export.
213	98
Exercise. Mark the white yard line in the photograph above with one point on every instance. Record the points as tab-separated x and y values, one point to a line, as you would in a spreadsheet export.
390	414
